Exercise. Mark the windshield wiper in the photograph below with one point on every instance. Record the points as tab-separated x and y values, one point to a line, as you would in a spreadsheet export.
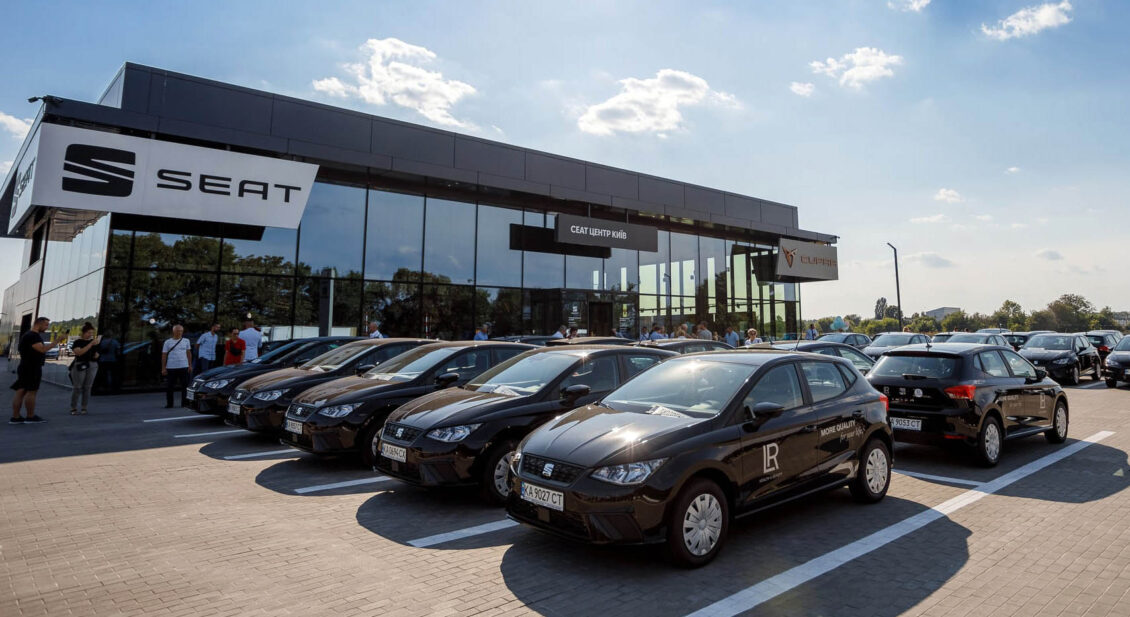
912	376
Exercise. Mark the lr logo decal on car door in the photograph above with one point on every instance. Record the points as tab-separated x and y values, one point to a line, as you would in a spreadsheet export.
769	457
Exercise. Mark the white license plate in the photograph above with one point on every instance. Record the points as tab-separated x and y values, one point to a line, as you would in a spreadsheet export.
554	500
294	426
233	408
1128	372
189	395
906	424
392	452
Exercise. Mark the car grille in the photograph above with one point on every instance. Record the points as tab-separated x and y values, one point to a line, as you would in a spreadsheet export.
299	411
535	466
407	433
239	395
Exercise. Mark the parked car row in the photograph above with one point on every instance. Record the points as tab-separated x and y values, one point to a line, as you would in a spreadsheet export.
656	442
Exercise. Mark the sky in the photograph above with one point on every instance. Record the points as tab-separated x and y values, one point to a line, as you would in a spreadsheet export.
986	140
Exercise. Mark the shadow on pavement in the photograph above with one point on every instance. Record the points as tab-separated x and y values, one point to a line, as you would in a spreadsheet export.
303	470
403	513
545	572
247	443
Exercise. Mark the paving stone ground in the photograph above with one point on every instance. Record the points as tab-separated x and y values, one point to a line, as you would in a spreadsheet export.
106	514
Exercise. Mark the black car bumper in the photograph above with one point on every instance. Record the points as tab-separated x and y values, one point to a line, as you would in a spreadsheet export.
933	427
431	465
324	440
263	419
210	403
1117	373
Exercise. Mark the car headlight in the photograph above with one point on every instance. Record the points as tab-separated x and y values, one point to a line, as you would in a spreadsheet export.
338	411
453	433
1112	361
269	395
1063	361
217	384
628	473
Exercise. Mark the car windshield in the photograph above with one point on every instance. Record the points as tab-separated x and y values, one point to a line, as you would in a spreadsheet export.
335	358
1123	345
940	338
893	340
915	366
277	354
834	338
692	387
1050	341
523	375
1096	340
968	338
411	364
1015	339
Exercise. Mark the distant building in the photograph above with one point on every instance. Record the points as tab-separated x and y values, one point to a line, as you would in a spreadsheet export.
940	313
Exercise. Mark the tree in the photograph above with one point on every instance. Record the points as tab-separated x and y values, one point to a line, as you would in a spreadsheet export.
872	327
1010	315
923	324
1042	320
892	311
1105	320
958	322
880	308
853	321
1072	312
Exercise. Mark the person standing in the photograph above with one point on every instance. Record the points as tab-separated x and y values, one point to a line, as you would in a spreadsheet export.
206	349
176	365
732	338
33	354
561	332
657	332
234	348
483	333
704	333
108	351
812	333
375	330
84	368
252	337
751	337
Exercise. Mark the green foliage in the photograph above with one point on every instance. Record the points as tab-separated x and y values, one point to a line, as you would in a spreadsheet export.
871	327
958	322
1042	320
880	308
923	324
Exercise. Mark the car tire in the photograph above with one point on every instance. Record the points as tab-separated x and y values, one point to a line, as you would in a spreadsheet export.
1073	378
874	476
1112	383
697	524
490	482
990	440
366	445
1060	421
1098	374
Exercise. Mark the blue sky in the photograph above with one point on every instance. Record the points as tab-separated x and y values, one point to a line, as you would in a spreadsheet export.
987	140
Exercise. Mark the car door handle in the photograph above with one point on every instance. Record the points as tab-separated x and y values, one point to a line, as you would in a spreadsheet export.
810	428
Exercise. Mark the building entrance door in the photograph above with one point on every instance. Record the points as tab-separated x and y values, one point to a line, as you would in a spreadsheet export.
600	319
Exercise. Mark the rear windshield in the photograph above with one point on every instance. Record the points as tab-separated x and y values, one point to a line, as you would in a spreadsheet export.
968	338
1050	341
916	367
941	338
835	338
1015	339
893	340
1123	345
1097	341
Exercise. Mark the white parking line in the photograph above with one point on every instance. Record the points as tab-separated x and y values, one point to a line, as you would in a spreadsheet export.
239	430
236	457
327	487
926	476
772	587
175	418
463	533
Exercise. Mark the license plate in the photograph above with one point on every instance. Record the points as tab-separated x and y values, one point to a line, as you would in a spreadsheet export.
233	408
554	500
294	426
189	395
395	453
906	424
1128	372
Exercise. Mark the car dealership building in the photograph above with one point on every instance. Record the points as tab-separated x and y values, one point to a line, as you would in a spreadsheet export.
176	199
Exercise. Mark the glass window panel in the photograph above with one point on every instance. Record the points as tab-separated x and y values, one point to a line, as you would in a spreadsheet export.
542	270
271	254
331	235
684	256
501	308
266	298
120	241
395	305
497	263
175	251
654	277
447	312
621	270
329	306
449	241
583	272
395	237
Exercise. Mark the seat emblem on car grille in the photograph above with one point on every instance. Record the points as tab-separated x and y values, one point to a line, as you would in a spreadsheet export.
399	433
902	391
547	471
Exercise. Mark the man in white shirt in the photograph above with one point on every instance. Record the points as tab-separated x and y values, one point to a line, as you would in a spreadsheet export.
375	330
206	348
561	332
176	365
251	337
704	333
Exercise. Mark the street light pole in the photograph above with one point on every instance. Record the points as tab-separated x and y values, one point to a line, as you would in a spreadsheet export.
898	289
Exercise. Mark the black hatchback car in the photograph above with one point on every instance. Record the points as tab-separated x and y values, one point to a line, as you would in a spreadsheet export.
467	436
1117	366
344	416
674	454
975	394
209	392
892	340
861	362
855	339
1064	356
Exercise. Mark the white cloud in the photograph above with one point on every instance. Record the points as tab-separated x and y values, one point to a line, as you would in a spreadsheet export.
930	260
1012	170
908	5
984	218
391	73
865	64
1029	20
1018	225
17	127
802	89
949	196
1049	255
1043	220
651	105
937	218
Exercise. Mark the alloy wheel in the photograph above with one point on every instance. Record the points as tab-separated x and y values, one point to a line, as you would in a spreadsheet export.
502	474
992	441
1061	422
876	470
702	524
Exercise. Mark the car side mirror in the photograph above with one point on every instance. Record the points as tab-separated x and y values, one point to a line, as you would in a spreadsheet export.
764	411
1041	374
574	392
447	379
365	368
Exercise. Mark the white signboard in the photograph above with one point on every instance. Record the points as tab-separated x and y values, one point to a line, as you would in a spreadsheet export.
83	169
807	260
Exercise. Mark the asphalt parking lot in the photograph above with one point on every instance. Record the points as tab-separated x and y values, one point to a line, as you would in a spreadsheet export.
139	510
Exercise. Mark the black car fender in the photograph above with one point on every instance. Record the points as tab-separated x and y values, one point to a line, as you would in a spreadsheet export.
711	470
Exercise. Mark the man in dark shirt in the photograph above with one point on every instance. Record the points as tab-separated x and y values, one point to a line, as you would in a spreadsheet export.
33	353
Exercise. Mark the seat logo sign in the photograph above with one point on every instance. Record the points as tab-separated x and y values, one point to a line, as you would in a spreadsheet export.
100	170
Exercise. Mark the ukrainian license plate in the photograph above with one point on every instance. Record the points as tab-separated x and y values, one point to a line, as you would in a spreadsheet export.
233	408
294	426
1128	372
906	424
391	452
189	395
554	500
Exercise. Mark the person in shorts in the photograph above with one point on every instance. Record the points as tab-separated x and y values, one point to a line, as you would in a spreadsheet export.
29	374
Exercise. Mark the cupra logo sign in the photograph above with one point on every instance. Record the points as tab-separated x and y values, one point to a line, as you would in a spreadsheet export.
789	255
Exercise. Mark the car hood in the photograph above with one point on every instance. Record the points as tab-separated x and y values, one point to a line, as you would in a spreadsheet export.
283	378
237	370
1121	357
1044	354
347	390
592	435
453	406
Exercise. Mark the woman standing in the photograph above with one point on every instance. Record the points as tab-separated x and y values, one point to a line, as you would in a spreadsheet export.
84	367
234	348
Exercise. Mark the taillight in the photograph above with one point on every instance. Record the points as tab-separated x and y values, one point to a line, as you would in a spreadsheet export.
961	393
1104	348
886	401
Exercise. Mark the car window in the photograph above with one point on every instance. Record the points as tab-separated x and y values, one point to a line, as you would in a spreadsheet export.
696	347
501	355
824	380
599	374
1020	367
858	360
850	376
639	363
826	351
383	353
467	364
313	351
780	385
992	364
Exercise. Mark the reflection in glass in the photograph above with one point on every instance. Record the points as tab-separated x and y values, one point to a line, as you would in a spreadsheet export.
267	298
497	263
583	272
120	244
331	234
395	234
395	305
502	308
175	251
542	270
448	311
325	306
449	241
272	254
621	270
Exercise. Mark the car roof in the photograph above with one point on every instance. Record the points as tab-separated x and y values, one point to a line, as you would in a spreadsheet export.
803	345
589	340
947	348
756	356
315	339
674	342
580	350
433	344
373	342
